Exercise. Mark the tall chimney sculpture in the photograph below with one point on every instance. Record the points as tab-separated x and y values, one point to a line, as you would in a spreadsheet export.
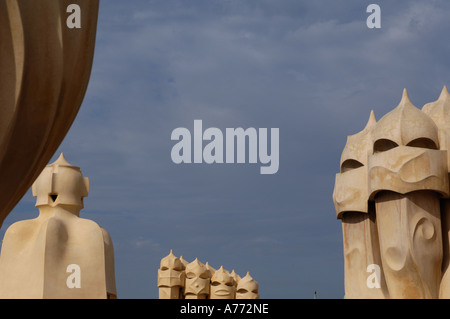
439	111
401	174
358	216
171	277
198	278
58	254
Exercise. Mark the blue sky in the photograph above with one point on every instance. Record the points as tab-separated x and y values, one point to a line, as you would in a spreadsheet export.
310	68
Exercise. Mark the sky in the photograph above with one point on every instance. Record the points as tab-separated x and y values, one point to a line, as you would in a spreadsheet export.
313	69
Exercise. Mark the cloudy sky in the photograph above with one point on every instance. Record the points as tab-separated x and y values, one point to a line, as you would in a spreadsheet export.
310	68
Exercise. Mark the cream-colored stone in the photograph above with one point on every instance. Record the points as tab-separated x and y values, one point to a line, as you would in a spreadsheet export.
247	288
405	125
405	169
44	73
36	253
350	192
444	291
439	111
408	175
198	278
235	276
405	155
350	198
407	226
350	188
184	261
361	250
357	146
223	285
211	269
178	279
171	277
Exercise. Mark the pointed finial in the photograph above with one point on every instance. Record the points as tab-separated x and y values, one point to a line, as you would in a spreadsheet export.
211	269
223	271
197	265
405	97
372	116
61	161
172	261
248	276
405	102
235	276
171	255
372	120
184	261
444	93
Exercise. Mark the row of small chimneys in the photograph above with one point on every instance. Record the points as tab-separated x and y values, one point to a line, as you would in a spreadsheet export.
179	279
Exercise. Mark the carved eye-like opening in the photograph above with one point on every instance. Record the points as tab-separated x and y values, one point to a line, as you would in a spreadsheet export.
255	291
204	276
164	268
383	145
229	284
349	165
242	291
215	283
423	143
190	275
